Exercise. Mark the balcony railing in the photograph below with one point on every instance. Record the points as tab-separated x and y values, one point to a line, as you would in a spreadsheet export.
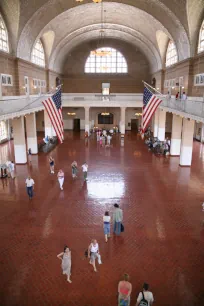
192	106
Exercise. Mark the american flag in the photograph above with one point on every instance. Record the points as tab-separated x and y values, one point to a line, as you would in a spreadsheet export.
53	106
150	104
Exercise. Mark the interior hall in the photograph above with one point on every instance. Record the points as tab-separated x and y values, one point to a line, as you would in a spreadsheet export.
101	152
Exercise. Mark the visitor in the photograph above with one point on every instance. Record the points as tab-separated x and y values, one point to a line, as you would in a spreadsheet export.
65	257
145	295
12	169
30	187
93	253
85	171
108	140
177	95
29	155
106	225
100	140
60	176
52	165
98	135
184	96
8	163
117	219
124	291
74	169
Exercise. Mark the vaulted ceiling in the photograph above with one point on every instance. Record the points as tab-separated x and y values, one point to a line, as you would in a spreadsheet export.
64	24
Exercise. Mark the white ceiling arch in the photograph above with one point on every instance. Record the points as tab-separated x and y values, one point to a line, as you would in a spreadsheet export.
87	33
70	20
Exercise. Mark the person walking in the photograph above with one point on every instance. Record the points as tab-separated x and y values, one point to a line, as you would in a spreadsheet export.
74	169
145	296
85	171
184	96
100	140
108	140
124	291
117	219
65	257
93	253
52	165
60	176
30	187
106	225
29	155
12	169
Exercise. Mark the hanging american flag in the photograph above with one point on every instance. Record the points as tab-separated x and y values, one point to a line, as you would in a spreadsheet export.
53	106
150	104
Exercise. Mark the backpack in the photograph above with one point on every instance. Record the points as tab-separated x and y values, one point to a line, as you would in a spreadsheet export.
143	302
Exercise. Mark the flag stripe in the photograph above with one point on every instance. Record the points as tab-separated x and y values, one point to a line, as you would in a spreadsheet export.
46	104
54	117
152	113
57	115
151	108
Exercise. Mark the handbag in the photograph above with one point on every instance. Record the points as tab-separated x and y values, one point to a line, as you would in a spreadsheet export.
99	259
122	228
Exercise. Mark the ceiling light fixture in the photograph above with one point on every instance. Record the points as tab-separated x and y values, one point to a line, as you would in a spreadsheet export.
105	114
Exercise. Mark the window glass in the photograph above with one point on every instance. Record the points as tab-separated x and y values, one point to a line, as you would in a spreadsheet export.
3	36
201	39
38	55
171	54
106	60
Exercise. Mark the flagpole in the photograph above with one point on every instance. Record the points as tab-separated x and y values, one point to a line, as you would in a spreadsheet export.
154	89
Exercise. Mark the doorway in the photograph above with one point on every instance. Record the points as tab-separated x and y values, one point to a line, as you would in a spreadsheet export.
134	125
76	127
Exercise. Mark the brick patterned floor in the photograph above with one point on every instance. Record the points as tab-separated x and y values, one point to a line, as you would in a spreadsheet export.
162	243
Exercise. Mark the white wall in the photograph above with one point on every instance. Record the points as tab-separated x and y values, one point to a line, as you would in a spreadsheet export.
40	121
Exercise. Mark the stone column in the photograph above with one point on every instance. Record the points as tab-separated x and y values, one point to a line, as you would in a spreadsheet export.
176	135
156	123
19	141
49	130
187	142
161	125
202	133
122	120
87	126
31	133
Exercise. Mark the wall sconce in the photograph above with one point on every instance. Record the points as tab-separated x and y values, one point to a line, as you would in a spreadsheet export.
35	87
173	87
105	114
23	87
138	114
183	87
158	88
71	114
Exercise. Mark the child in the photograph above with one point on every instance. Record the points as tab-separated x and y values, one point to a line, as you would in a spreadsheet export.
85	170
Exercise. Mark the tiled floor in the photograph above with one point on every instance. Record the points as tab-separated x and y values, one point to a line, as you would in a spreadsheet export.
163	243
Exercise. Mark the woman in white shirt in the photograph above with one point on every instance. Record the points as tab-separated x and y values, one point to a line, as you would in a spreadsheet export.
93	253
60	177
145	295
106	225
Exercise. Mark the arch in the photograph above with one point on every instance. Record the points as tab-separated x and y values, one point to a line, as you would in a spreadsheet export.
201	39
4	44
106	60
38	54
171	54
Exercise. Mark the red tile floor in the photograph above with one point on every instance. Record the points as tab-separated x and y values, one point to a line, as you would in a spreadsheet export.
163	242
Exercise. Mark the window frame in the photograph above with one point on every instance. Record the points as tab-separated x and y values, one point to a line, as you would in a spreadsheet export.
115	63
38	54
6	40
171	54
200	48
7	77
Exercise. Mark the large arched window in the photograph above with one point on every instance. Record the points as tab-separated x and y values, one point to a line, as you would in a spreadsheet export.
171	54
38	54
106	60
4	46
201	39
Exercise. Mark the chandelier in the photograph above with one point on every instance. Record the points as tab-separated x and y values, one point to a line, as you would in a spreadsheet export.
99	51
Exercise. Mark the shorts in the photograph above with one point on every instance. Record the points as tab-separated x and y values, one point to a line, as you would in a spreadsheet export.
106	228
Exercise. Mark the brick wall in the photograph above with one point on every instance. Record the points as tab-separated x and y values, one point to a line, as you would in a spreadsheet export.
198	67
8	66
75	80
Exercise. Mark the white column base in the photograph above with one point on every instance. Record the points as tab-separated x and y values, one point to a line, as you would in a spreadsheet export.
122	128
20	154
175	147
161	134
186	156
32	144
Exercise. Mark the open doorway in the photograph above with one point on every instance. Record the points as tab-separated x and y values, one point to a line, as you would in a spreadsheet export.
76	127
134	124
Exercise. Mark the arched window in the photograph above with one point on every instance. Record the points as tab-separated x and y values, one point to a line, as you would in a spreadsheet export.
106	60
3	36
171	54
38	54
201	39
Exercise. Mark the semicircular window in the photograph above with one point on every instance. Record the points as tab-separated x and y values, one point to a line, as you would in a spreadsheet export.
38	54
201	39
4	46
106	60
171	54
